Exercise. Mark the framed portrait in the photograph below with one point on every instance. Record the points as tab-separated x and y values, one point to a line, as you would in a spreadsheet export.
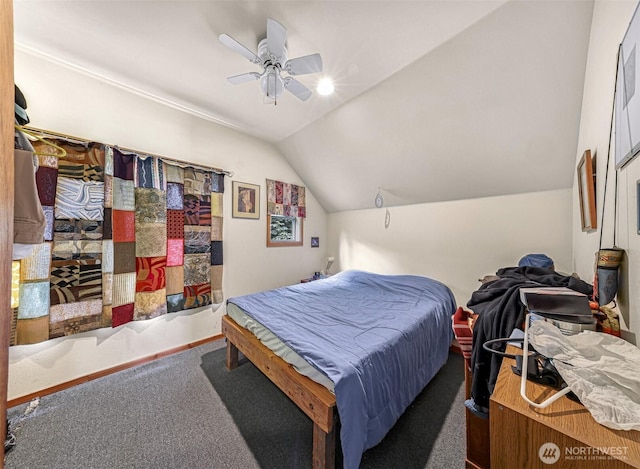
627	100
246	200
315	242
587	192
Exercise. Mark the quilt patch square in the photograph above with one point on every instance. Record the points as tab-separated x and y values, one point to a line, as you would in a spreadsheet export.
32	331
197	239
175	174
90	282
204	213
151	240
175	224
107	256
124	289
216	228
175	280
108	161
150	273
49	221
191	210
76	325
15	284
107	314
34	300
216	205
151	206
217	182
46	182
107	292
64	280
150	305
123	195
196	182
197	295
216	277
150	173
108	191
121	315
124	258
216	253
175	303
79	199
175	196
175	252
76	250
197	269
107	224
124	226
123	165
36	265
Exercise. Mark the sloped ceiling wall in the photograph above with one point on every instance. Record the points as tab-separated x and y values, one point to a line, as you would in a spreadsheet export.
493	111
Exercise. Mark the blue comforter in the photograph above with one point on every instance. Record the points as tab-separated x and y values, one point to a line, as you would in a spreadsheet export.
379	338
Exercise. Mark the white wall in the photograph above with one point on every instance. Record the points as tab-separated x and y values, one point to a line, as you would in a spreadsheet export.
610	21
66	101
455	242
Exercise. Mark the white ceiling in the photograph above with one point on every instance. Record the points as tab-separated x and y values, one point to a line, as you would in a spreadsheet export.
434	101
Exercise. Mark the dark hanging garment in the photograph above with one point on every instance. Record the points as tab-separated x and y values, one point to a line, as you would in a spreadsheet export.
28	217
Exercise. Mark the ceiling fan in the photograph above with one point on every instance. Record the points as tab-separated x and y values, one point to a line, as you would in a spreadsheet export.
272	57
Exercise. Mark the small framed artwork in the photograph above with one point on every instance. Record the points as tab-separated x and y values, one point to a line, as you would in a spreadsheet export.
246	200
315	242
586	192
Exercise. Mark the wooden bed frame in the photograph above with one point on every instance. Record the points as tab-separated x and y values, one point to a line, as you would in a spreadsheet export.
312	398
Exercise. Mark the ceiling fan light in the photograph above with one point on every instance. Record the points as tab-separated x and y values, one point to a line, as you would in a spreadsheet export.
325	86
272	84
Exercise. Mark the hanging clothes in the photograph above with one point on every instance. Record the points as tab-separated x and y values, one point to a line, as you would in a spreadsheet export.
28	217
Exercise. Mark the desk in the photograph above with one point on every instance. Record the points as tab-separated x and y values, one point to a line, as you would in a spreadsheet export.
565	428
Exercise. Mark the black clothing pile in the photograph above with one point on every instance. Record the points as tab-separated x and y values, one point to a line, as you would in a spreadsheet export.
500	310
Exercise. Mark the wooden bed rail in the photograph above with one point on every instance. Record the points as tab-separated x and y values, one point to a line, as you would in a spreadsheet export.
312	398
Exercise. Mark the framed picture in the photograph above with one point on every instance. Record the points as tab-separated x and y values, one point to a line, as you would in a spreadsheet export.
246	200
587	192
315	242
627	100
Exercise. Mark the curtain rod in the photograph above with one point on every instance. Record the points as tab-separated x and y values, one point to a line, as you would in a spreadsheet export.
72	139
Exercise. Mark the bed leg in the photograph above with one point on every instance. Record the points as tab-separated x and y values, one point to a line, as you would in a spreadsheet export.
324	448
232	355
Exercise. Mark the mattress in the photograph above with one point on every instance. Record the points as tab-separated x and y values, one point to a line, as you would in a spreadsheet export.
274	344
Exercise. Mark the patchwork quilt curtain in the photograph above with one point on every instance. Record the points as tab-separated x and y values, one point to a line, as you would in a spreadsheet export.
129	237
285	199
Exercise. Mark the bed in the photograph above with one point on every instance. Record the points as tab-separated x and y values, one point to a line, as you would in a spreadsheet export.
356	346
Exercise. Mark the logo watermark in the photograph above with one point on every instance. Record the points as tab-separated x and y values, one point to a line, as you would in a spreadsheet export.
549	453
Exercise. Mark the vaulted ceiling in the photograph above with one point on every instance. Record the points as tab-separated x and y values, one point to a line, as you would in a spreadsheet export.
434	100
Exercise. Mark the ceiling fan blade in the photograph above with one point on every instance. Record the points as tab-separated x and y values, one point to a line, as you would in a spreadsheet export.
297	89
302	65
276	38
243	78
232	44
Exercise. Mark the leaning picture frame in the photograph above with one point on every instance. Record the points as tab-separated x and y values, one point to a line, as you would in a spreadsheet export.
587	192
245	200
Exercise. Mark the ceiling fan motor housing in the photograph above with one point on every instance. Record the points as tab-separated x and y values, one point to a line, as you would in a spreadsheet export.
268	58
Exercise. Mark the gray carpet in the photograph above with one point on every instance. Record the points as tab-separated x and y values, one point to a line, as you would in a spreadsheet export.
188	411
